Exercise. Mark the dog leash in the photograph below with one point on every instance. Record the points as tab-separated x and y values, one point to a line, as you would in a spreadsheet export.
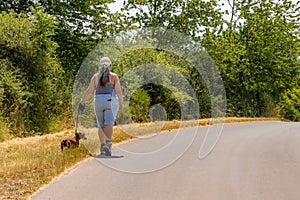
80	108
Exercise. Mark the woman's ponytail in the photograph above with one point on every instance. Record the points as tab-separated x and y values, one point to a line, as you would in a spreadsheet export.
104	75
104	72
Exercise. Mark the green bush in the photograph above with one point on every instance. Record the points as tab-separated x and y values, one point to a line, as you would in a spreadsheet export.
13	96
31	86
139	106
291	105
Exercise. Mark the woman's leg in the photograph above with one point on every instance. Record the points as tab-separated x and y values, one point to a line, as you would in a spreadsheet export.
108	129
111	117
105	146
99	107
102	135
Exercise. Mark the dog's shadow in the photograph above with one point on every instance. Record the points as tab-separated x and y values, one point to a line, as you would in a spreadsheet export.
107	157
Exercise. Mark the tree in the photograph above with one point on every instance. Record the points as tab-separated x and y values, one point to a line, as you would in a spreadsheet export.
30	72
256	54
80	26
190	17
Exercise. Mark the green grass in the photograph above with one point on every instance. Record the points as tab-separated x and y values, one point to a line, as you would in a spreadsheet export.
28	164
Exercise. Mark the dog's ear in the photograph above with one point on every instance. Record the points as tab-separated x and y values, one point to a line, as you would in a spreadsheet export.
82	136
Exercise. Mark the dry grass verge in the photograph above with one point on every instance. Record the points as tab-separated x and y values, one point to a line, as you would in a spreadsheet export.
28	164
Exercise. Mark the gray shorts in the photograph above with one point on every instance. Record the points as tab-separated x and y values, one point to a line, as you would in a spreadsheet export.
106	108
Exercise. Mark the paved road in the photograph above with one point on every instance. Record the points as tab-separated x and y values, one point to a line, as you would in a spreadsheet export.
251	161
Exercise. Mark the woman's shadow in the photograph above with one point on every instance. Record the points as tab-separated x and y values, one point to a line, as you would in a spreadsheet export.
107	157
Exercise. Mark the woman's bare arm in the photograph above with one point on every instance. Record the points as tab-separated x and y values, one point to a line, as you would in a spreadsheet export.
89	90
119	92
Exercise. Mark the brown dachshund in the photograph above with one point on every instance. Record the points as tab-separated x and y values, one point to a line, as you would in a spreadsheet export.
72	142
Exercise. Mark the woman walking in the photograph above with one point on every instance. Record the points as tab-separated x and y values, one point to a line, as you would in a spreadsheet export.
108	100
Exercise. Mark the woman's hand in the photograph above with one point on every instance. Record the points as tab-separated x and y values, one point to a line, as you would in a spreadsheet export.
81	107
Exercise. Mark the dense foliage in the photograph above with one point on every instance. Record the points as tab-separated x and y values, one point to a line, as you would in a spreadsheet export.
43	44
257	55
30	72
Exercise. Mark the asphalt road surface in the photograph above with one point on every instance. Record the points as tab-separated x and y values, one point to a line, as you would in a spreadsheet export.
251	161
